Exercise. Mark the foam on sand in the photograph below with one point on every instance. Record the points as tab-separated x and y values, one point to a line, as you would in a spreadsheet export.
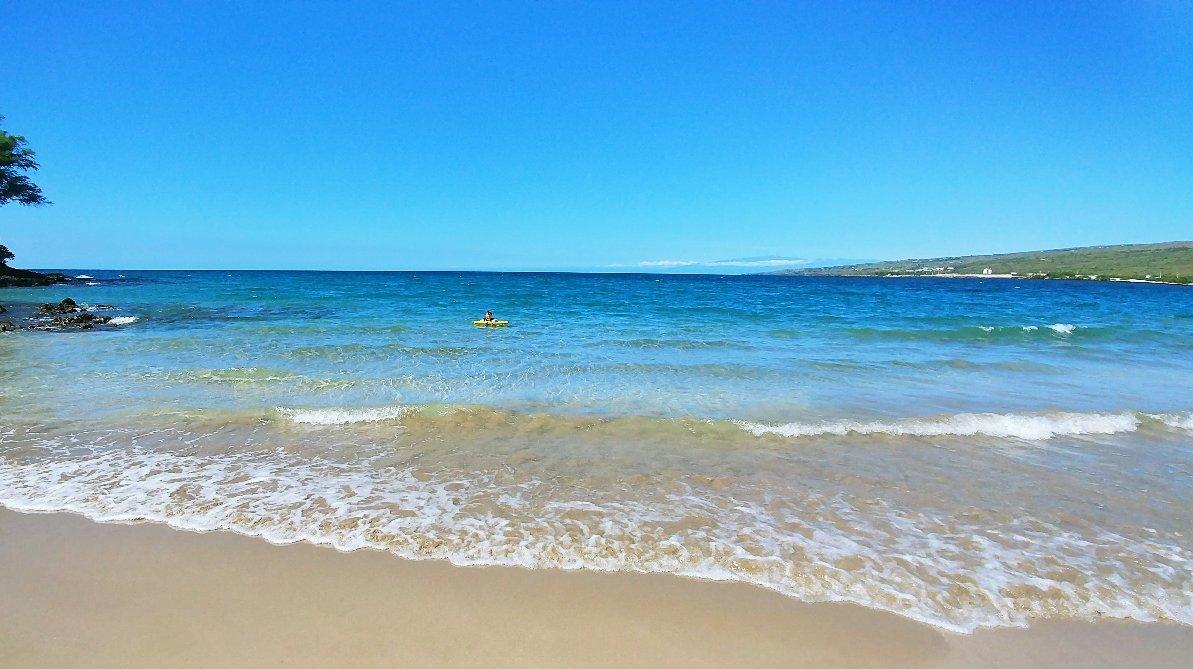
936	569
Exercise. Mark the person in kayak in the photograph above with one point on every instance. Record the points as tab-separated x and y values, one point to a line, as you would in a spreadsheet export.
489	317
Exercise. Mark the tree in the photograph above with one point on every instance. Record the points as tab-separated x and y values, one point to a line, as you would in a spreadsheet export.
16	158
5	255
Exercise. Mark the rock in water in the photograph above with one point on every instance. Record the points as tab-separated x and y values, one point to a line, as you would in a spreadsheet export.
68	315
83	320
8	326
66	306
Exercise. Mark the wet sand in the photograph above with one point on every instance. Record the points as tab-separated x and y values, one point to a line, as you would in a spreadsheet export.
75	593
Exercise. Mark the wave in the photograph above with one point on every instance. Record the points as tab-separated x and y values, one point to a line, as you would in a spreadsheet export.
1031	427
123	320
1059	328
354	351
958	572
231	375
1180	421
679	344
442	418
1003	333
333	416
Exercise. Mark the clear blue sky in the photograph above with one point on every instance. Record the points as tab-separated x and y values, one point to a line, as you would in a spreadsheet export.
565	135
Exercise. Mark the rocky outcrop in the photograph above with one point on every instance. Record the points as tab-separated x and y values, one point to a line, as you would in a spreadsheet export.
66	306
10	277
84	320
67	315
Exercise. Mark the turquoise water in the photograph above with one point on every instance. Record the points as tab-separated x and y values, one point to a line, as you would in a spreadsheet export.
965	452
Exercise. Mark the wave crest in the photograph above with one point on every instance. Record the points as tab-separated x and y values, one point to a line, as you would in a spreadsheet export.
1016	426
335	416
460	419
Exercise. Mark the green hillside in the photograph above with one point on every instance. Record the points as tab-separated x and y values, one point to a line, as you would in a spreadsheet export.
1171	261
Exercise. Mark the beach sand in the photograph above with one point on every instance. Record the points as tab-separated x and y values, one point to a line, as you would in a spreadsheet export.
77	593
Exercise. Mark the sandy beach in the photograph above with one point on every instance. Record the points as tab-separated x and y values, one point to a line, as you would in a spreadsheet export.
81	593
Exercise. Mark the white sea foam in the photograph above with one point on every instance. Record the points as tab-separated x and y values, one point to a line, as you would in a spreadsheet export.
341	416
123	320
84	276
1180	421
1059	328
940	569
1033	427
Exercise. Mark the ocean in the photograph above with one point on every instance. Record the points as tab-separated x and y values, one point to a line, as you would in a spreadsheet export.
964	452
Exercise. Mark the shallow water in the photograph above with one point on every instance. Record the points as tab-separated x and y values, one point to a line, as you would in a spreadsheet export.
963	452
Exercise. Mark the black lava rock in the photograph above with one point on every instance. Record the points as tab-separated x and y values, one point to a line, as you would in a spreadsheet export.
67	306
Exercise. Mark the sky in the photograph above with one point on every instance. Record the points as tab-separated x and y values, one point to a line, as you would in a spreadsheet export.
602	136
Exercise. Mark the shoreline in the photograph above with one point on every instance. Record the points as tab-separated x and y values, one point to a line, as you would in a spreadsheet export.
100	594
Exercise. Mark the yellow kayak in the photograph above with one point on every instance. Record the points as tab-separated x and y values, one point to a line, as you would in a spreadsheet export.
490	324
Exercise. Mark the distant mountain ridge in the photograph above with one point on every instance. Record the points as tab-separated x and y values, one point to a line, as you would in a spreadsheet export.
1170	262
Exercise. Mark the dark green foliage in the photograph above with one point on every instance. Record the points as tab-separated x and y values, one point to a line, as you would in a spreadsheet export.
16	159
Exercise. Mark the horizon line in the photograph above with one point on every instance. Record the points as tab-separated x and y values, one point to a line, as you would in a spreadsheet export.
390	271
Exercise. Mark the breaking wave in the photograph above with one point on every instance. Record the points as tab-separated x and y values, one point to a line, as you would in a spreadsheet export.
1180	421
333	416
1033	427
465	419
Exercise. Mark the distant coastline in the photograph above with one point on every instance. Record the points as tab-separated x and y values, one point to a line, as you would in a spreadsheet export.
952	275
11	277
1166	263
